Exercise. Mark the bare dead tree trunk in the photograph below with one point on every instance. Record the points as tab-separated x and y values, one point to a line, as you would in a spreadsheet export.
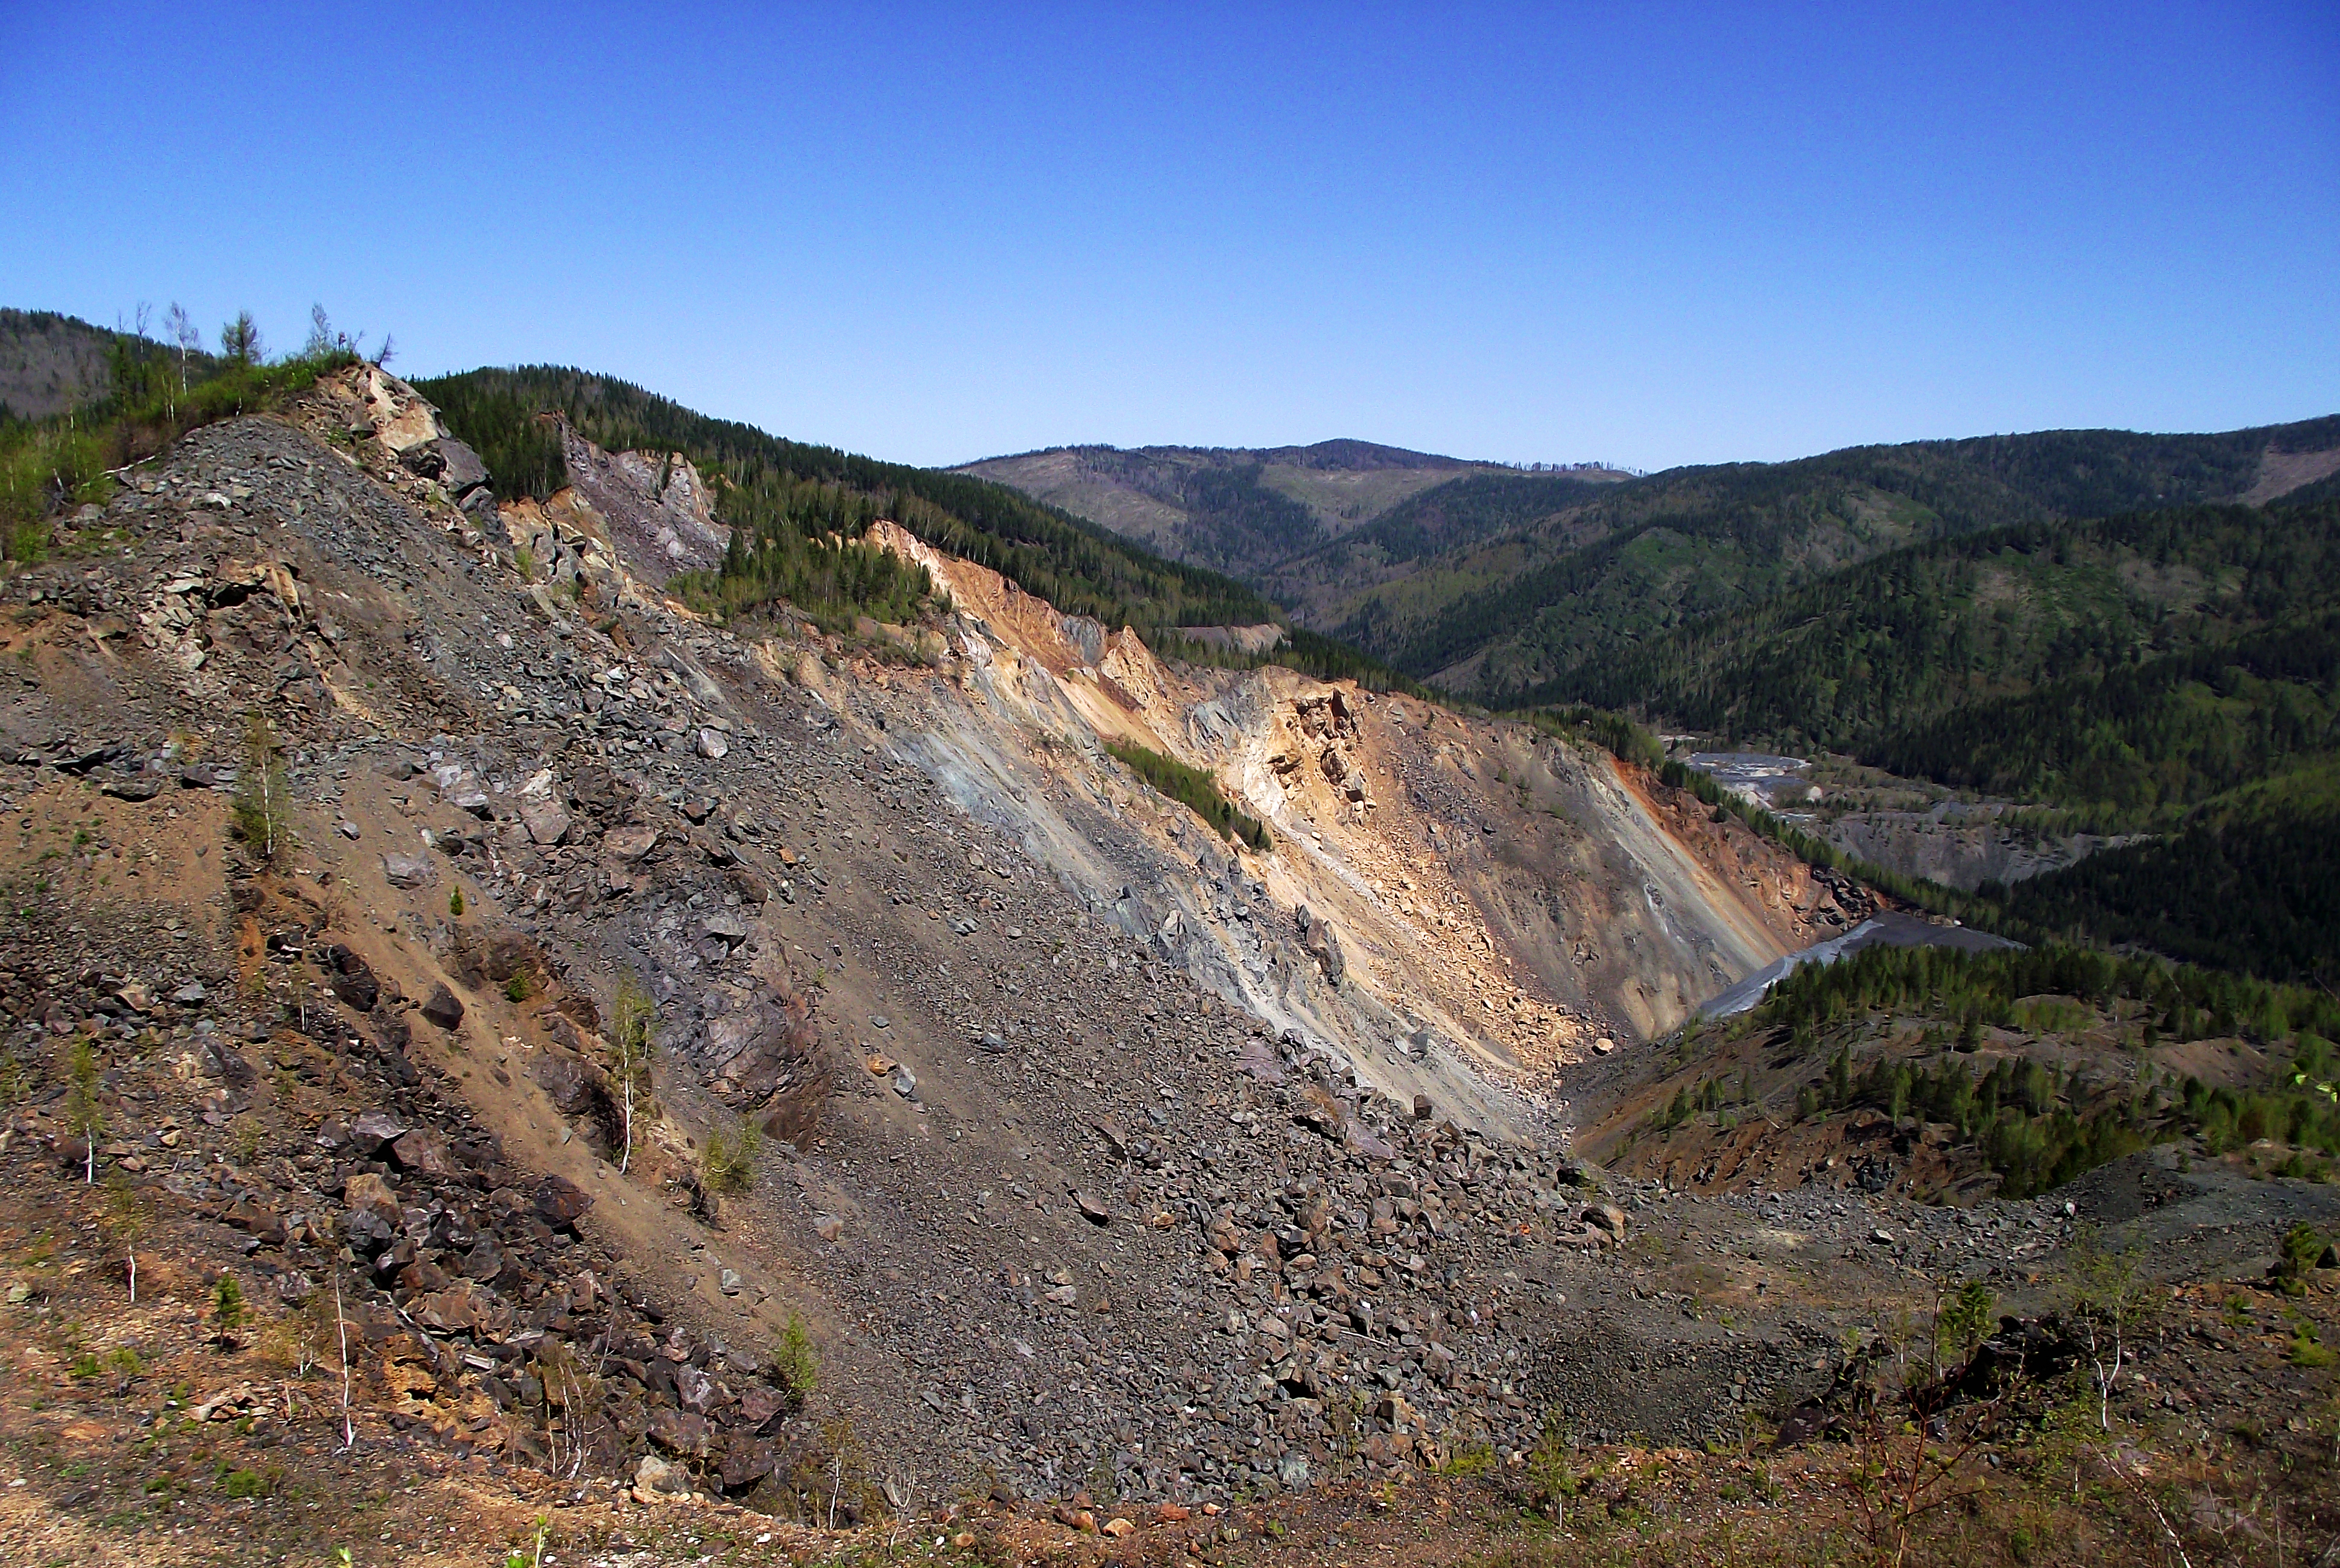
341	1324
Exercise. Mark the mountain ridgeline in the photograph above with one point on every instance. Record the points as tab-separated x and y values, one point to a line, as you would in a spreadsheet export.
774	489
1528	608
1247	511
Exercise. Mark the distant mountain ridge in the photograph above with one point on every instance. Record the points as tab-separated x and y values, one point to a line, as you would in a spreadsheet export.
1239	509
1518	610
1491	581
50	363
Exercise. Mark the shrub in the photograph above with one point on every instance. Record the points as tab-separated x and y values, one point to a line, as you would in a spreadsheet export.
263	802
1965	1321
2302	1245
228	1311
632	1043
794	1363
729	1160
84	1116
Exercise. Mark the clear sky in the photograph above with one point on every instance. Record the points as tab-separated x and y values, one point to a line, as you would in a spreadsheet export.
1640	233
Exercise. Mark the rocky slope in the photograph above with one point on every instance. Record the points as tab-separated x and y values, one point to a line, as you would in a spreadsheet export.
1099	1155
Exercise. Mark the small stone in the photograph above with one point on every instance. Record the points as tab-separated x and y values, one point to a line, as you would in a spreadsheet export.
1117	1528
1881	1236
827	1226
712	746
731	1282
191	994
1092	1210
347	829
905	1082
656	1478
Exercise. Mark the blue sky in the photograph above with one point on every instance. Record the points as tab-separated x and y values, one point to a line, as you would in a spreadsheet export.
1640	233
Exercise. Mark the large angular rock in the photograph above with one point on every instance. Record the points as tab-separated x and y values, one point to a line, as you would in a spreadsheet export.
460	789
374	1130
460	468
723	926
761	1404
694	1389
746	1462
372	1194
425	1154
546	819
562	1203
657	1478
566	1080
443	1008
680	1431
408	871
351	977
494	954
630	844
256	1219
597	792
462	1306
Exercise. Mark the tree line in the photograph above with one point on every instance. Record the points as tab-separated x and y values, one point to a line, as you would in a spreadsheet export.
155	393
1076	567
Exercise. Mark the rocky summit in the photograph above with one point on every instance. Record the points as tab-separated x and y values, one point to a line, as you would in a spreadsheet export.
493	1048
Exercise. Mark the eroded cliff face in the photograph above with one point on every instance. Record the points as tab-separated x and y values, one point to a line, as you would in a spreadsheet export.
1460	907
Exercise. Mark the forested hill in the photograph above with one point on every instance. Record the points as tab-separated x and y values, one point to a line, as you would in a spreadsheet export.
1248	510
2175	673
1514	609
2250	882
759	481
2133	665
50	363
